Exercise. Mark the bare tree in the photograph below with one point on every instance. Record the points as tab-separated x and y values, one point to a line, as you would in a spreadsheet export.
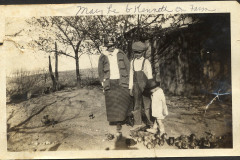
43	39
64	31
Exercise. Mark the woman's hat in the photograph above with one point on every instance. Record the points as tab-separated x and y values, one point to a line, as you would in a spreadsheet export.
151	84
139	47
109	41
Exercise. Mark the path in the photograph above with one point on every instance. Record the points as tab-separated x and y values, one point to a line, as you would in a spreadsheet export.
74	130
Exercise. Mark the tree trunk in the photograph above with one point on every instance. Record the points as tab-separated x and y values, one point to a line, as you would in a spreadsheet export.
180	72
129	48
51	74
153	54
56	67
77	70
138	29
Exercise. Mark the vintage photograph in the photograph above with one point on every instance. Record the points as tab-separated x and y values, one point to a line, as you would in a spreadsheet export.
118	82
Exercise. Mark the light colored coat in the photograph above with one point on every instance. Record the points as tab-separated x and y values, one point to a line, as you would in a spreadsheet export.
159	106
104	70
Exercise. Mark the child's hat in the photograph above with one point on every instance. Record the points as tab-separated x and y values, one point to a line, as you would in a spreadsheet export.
151	84
139	46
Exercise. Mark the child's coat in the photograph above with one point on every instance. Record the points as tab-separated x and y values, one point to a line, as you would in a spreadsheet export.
159	107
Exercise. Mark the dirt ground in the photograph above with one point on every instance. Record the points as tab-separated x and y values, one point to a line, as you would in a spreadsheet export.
72	128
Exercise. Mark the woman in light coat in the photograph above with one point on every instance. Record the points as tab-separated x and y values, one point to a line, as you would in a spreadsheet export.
113	70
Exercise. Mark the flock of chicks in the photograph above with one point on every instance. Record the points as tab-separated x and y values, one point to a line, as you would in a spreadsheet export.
152	140
182	142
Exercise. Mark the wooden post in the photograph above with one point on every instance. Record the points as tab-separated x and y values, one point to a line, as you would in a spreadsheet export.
56	66
51	74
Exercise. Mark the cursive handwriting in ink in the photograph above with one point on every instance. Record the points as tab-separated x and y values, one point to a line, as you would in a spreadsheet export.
200	9
179	9
111	10
128	9
85	10
140	9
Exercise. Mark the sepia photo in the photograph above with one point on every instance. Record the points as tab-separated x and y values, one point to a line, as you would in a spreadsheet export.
148	82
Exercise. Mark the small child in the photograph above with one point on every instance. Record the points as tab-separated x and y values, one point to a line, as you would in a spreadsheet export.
159	107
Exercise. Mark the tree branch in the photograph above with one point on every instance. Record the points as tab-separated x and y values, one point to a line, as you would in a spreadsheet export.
60	28
60	52
152	21
104	28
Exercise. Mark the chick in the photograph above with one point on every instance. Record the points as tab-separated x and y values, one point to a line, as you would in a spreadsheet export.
150	145
140	139
161	142
171	141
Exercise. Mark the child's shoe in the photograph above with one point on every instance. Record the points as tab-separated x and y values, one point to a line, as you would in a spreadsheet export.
119	135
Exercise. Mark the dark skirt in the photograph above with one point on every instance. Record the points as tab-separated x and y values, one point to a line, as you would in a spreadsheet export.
117	101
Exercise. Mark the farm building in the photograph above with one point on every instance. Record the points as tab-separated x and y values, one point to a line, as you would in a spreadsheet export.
189	59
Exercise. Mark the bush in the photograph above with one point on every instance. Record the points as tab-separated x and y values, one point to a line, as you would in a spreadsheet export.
24	84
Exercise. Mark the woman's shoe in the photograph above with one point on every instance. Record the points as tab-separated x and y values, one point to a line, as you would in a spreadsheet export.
137	127
152	130
119	127
119	135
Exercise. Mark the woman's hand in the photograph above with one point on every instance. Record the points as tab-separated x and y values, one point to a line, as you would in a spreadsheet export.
102	87
131	92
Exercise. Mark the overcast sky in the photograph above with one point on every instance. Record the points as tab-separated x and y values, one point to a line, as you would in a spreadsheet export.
26	58
21	56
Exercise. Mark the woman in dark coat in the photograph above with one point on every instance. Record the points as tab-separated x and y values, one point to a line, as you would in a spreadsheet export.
113	70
